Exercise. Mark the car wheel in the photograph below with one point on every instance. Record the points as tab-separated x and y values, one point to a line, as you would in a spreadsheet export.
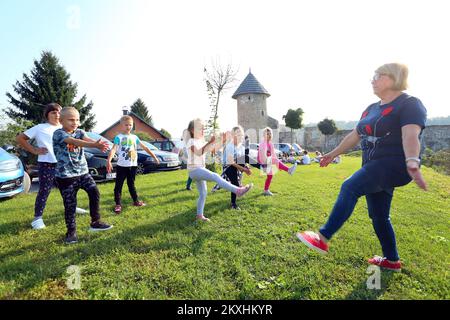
26	183
140	169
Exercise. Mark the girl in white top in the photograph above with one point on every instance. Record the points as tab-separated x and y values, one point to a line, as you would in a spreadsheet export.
197	148
43	136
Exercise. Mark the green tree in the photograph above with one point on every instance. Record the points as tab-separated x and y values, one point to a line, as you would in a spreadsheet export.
327	127
218	79
166	133
144	136
10	130
48	82
139	108
293	119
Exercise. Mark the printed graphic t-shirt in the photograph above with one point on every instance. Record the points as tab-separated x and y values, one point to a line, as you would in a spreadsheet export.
380	127
127	149
70	159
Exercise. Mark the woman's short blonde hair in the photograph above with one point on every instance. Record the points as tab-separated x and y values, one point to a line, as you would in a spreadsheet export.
397	72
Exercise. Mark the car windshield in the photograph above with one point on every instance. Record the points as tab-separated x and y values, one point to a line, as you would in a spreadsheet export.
148	145
96	136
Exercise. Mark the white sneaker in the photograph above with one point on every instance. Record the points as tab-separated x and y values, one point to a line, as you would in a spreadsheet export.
38	224
267	193
292	169
81	211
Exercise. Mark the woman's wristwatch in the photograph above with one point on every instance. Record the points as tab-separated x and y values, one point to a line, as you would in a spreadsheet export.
413	159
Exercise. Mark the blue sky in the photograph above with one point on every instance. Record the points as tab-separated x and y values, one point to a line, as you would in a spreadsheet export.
317	55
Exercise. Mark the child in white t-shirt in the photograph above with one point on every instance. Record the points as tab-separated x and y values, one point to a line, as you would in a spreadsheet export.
197	148
126	145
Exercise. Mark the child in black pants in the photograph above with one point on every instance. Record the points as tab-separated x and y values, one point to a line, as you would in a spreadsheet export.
126	144
72	171
234	162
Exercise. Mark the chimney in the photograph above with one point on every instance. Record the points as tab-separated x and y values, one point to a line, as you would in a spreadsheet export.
126	110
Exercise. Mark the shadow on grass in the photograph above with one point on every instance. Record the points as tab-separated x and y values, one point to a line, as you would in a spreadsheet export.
362	292
28	272
13	228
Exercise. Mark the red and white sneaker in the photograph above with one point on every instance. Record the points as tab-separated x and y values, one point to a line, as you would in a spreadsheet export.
384	263
313	241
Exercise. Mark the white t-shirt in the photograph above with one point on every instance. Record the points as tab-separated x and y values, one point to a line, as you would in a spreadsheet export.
195	161
127	149
43	135
306	159
232	152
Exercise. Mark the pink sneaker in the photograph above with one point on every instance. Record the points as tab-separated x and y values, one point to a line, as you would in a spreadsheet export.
312	240
384	263
118	209
201	217
139	204
243	190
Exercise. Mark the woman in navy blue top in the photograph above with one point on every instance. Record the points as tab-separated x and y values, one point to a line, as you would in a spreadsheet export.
389	132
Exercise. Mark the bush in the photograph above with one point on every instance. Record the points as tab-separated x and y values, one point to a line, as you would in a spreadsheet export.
143	136
440	161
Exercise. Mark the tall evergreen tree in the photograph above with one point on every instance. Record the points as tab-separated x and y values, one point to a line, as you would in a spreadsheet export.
141	110
48	82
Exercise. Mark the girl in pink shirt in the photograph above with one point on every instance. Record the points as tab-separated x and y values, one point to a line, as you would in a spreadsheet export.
268	160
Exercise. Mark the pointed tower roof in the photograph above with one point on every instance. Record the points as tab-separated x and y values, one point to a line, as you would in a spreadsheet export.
250	85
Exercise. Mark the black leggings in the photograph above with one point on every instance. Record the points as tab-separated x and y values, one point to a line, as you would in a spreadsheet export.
69	188
128	173
233	175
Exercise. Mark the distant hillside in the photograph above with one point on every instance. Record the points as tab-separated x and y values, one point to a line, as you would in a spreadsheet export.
348	125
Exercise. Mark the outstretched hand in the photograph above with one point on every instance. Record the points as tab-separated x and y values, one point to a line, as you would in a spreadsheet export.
415	173
326	160
247	171
102	145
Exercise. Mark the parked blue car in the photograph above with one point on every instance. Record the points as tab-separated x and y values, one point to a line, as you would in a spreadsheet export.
11	175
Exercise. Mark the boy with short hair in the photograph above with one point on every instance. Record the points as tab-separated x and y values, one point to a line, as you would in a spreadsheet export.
72	171
126	144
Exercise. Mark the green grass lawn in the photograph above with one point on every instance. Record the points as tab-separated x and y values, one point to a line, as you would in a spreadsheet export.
160	252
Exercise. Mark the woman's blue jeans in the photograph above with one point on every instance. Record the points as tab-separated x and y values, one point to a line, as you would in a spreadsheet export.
376	180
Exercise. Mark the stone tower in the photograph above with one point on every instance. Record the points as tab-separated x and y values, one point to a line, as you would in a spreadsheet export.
251	99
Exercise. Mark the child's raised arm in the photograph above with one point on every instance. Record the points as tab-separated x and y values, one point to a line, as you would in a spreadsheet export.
205	148
99	144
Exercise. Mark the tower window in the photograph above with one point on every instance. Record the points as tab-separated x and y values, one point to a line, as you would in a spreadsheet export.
262	113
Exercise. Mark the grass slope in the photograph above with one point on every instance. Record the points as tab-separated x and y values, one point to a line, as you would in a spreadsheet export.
160	252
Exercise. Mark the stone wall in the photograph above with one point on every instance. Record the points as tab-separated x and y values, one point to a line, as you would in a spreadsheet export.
310	138
436	137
